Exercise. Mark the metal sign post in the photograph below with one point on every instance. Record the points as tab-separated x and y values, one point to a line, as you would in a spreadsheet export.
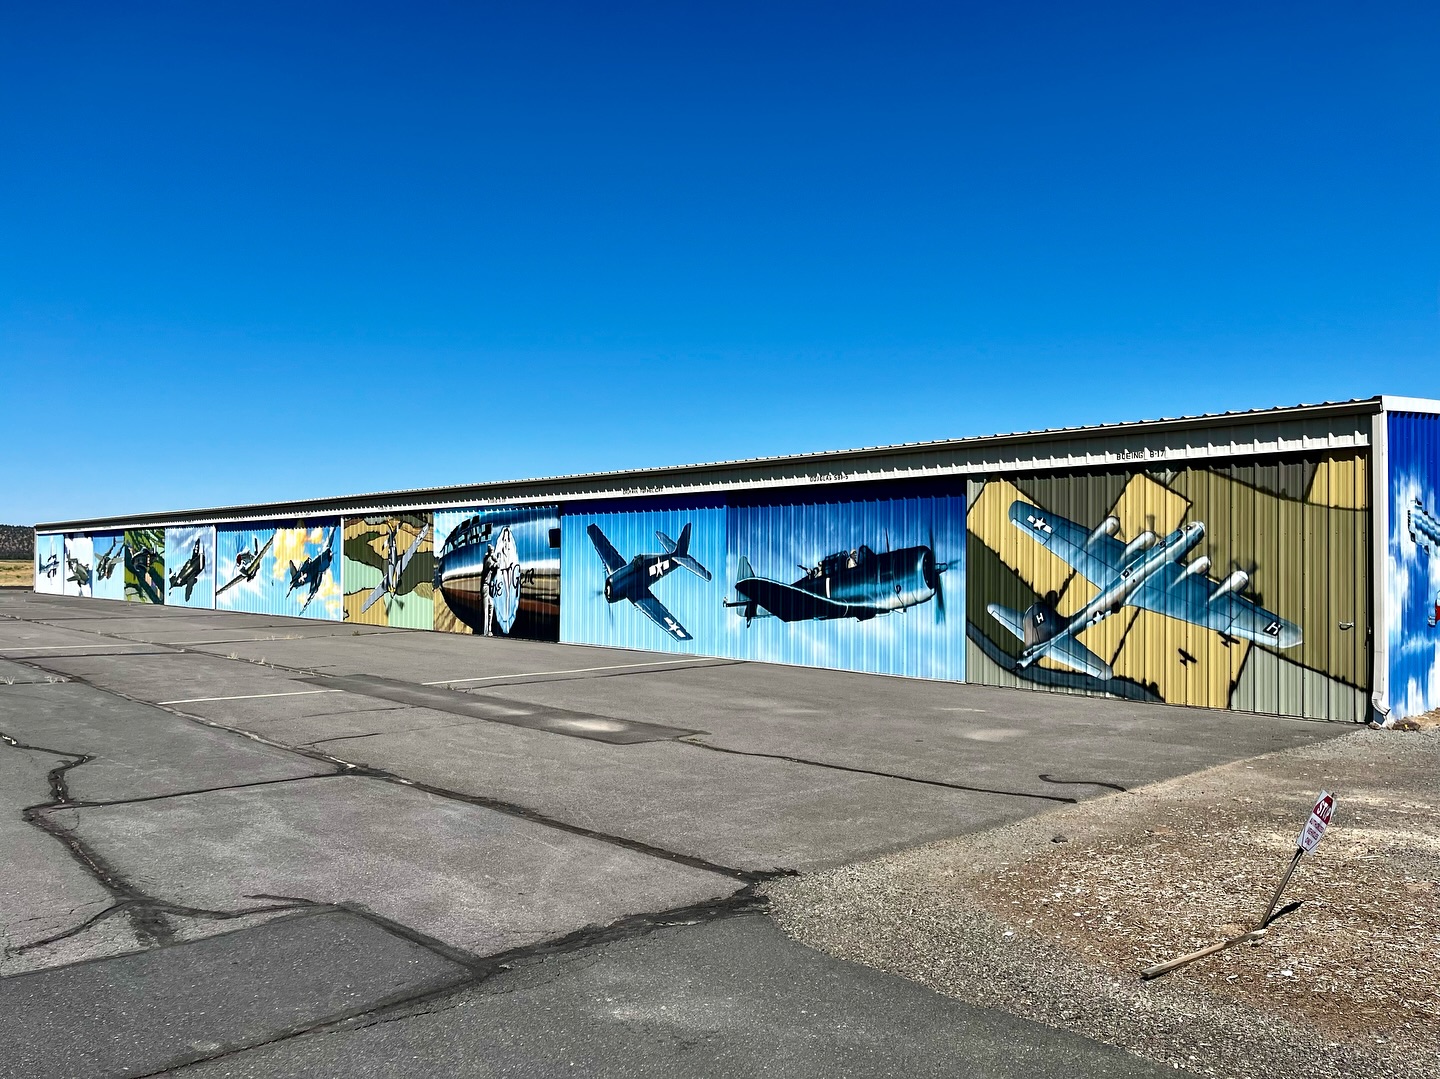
1305	842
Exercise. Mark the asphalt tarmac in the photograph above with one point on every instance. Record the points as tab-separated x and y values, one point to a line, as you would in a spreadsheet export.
251	845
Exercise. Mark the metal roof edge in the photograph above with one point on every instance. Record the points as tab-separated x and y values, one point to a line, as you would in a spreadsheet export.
1409	404
456	493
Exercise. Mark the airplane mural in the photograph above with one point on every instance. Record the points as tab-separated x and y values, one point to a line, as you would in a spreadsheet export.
311	572
633	580
105	564
144	568
857	584
395	563
79	574
1425	534
247	563
1148	572
189	573
49	567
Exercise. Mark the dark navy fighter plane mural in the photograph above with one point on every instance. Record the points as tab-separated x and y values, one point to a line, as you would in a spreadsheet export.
633	580
310	573
857	584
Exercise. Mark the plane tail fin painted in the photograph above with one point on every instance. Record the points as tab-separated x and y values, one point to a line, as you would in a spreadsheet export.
1063	648
1011	620
745	571
680	551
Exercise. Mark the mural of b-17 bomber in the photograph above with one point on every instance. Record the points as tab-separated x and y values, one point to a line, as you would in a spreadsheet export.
145	565
497	571
1214	586
389	570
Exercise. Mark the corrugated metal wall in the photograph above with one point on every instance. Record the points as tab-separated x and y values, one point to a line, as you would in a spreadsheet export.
389	570
145	565
190	566
862	584
50	565
288	569
1292	638
497	571
1413	563
108	571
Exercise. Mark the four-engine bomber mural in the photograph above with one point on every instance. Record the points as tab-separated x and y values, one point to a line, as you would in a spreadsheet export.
289	570
1413	555
856	585
145	565
190	560
497	571
389	570
1228	588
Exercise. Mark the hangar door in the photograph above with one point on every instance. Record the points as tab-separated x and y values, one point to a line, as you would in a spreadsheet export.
1241	586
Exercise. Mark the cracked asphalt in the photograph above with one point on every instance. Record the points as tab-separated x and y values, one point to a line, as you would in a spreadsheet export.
250	845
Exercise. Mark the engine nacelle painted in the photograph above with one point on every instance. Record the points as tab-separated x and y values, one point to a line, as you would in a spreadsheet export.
1107	527
1200	565
1236	583
1142	542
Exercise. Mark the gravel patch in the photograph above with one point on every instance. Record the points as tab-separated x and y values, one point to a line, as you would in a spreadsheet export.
1052	918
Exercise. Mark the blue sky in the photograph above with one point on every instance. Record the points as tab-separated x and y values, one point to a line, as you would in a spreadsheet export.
313	239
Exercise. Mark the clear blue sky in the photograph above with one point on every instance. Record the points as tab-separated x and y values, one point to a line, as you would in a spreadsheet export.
254	252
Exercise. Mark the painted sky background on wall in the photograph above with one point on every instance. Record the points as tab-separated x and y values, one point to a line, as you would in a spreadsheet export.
179	550
748	228
111	547
1413	584
269	592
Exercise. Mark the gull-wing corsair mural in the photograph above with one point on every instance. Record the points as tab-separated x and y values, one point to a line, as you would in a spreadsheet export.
1148	572
186	576
395	563
1425	534
633	580
247	563
310	573
857	584
49	567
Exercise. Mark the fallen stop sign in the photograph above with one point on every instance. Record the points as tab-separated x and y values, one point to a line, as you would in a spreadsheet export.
1319	820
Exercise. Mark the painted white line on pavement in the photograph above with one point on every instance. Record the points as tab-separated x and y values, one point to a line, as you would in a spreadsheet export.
577	670
250	696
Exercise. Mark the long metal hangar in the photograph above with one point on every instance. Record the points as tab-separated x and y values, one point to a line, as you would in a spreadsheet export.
1284	561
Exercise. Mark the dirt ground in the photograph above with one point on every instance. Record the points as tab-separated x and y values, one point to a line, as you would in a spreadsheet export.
17	574
1054	918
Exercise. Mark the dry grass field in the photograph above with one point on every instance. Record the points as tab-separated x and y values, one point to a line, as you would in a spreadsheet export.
17	574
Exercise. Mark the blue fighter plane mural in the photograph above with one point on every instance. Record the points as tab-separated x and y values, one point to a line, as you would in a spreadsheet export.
633	580
1149	572
857	584
190	564
288	570
107	578
49	564
719	579
1424	531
